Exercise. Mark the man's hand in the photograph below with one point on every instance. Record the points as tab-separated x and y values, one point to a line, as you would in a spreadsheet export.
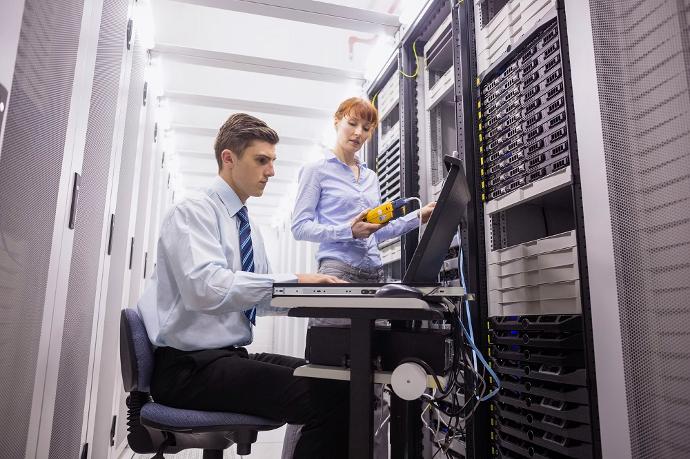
310	278
362	229
427	210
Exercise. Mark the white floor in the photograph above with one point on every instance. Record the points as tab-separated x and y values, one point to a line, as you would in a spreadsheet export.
269	445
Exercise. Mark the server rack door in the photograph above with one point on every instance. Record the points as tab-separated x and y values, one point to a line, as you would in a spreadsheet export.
115	11
39	184
89	256
144	204
154	224
635	79
107	390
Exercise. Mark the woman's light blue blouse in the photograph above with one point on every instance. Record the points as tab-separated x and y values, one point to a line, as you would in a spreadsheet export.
328	199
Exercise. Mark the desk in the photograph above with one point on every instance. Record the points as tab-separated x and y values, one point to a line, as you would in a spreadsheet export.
363	312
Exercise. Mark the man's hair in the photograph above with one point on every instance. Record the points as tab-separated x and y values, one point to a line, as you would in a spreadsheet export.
238	132
358	108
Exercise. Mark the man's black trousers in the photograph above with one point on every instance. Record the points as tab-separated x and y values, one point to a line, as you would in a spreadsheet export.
260	384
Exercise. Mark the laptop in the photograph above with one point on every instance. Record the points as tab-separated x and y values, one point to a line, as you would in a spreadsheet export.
422	272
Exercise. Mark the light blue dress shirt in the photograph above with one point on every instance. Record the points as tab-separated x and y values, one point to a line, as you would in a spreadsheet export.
198	292
328	199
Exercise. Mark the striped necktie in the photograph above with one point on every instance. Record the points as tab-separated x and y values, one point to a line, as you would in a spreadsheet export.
246	252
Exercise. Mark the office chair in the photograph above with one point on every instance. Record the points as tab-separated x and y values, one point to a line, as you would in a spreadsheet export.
156	428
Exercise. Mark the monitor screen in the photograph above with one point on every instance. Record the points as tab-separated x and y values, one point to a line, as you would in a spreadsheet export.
450	211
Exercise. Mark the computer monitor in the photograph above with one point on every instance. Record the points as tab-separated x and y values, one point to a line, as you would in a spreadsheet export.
450	211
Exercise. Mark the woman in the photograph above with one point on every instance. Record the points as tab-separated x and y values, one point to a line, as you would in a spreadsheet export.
334	196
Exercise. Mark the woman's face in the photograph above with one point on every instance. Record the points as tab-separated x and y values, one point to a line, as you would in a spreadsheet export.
352	133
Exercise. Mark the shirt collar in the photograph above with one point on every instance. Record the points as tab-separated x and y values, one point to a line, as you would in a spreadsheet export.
330	156
226	194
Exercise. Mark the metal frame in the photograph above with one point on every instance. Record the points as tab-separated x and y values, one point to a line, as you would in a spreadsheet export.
361	376
386	74
408	422
604	316
382	79
409	159
576	189
464	56
424	27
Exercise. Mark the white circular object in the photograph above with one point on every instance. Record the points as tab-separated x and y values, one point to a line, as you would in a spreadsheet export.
408	381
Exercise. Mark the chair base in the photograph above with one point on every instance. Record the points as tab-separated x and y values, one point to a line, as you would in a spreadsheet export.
244	440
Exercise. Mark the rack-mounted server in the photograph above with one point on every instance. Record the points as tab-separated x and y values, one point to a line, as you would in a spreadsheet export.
542	409
523	123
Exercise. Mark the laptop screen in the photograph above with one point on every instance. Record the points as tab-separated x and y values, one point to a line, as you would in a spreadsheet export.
450	211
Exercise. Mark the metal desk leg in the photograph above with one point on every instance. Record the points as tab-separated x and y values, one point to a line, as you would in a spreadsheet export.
407	437
361	390
406	428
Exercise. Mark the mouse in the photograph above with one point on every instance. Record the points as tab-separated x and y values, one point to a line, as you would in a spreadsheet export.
398	291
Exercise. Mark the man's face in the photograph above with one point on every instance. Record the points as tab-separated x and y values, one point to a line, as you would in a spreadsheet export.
249	174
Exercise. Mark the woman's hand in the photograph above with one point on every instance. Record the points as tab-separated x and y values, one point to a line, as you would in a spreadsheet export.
362	229
427	210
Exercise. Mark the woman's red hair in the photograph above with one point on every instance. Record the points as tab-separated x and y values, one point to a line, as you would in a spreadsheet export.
359	108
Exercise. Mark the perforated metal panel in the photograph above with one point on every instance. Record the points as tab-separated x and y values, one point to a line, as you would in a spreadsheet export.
30	166
131	136
82	293
643	67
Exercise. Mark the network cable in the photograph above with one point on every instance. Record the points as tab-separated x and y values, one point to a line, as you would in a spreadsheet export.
469	335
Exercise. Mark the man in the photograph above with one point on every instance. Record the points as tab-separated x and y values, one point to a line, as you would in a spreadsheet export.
212	276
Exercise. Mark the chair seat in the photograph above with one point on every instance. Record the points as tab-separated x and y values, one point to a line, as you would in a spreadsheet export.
176	419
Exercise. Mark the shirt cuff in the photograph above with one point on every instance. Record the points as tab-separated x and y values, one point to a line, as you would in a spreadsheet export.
343	232
266	309
284	278
414	215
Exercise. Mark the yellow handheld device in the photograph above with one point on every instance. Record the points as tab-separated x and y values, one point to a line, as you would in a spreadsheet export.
388	211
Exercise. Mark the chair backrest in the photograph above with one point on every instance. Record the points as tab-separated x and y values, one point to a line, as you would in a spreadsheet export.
136	352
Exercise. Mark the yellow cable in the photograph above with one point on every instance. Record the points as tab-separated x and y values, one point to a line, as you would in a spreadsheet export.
416	60
373	99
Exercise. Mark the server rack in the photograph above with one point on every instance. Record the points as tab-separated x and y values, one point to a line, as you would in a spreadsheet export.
536	274
438	129
386	158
